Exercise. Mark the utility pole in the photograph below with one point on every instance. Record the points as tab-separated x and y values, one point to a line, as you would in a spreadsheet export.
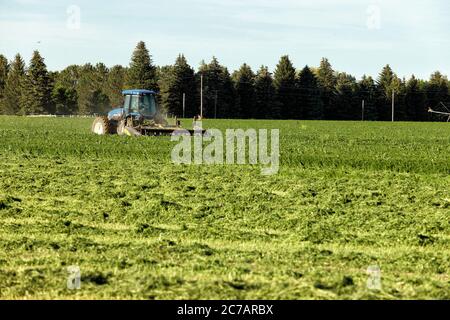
184	105
393	104
363	102
201	96
215	106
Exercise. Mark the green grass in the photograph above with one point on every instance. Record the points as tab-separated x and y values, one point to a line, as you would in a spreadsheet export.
348	195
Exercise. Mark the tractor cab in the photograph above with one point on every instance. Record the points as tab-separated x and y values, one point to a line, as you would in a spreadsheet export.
137	104
142	102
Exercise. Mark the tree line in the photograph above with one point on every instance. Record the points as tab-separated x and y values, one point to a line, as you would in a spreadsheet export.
287	93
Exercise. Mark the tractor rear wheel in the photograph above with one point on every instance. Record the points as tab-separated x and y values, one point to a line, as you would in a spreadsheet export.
101	126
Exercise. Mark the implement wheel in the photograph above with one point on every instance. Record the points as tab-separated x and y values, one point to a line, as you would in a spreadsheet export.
101	126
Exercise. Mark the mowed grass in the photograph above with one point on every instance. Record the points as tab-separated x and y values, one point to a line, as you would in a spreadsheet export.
348	195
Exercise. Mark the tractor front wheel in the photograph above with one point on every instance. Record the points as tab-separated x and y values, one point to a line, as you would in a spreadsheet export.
121	127
101	126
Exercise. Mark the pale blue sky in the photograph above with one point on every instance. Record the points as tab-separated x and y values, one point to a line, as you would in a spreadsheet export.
357	36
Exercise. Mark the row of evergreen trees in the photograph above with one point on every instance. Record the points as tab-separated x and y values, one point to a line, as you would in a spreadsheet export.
311	93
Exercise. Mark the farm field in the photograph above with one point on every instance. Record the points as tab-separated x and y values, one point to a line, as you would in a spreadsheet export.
348	195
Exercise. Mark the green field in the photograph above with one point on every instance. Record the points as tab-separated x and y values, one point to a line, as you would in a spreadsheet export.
348	195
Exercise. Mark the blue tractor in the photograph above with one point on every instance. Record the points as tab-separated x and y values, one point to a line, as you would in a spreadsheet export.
139	115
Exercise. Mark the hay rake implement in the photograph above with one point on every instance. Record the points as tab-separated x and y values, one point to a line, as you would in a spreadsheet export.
441	113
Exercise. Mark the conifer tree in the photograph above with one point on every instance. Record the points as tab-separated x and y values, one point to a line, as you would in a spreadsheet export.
415	101
14	86
65	100
64	92
37	89
85	90
166	85
101	88
101	73
91	85
367	92
437	90
218	91
245	92
227	97
346	102
327	81
4	67
309	103
285	84
115	85
141	73
387	83
184	83
400	111
174	81
265	96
